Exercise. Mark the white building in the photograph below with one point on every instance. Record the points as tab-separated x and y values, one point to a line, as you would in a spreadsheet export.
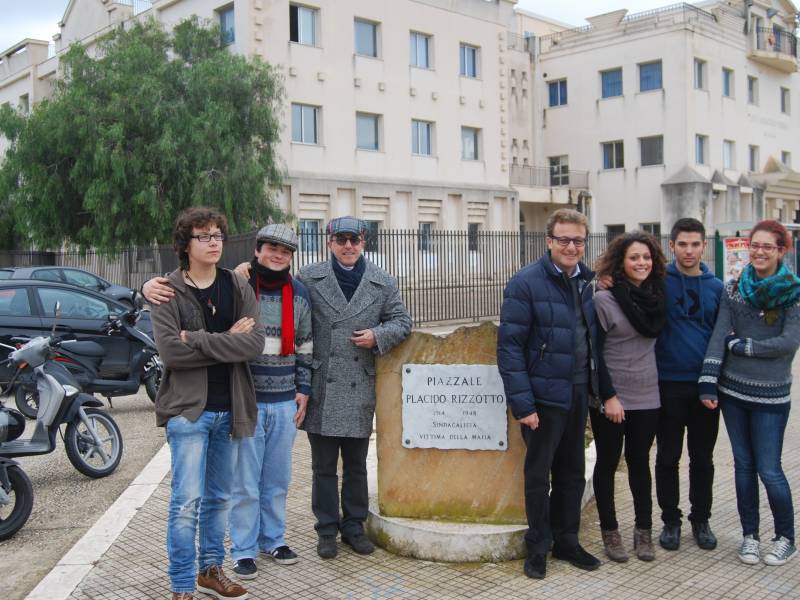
397	112
682	111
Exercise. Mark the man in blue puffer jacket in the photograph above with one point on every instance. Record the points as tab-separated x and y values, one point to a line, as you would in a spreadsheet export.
547	354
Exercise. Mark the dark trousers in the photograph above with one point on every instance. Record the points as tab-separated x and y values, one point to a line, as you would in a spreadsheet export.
681	410
637	431
555	453
325	484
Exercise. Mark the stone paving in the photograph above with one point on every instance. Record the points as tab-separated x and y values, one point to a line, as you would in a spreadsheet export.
135	565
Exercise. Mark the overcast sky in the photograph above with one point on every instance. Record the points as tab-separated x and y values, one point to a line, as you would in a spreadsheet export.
39	18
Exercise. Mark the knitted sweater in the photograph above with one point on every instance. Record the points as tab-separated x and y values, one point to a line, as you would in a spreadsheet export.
762	373
278	378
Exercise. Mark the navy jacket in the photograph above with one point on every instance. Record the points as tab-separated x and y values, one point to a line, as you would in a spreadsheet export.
536	340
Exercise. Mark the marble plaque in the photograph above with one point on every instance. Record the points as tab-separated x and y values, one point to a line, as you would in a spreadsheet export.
453	407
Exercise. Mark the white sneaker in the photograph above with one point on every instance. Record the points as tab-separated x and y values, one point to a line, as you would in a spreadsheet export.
782	551
750	551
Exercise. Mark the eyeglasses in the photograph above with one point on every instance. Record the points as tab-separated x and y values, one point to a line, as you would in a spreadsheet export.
564	241
768	248
342	239
207	237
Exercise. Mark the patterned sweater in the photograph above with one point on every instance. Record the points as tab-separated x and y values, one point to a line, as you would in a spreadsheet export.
759	369
277	378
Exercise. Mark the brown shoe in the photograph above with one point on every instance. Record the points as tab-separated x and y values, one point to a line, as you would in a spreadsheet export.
182	596
214	582
613	545
643	544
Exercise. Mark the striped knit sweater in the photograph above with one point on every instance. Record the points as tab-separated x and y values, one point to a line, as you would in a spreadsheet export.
278	378
759	368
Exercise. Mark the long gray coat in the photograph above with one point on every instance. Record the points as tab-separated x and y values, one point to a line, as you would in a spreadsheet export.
342	399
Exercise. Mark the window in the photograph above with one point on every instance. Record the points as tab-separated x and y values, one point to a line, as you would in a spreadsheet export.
303	24
752	90
305	120
699	74
470	143
367	131
425	237
611	83
701	149
558	92
650	76
468	61
24	104
14	303
371	239
226	26
652	150
785	101
420	50
786	158
728	154
366	38
653	229
421	136
83	279
727	83
559	170
613	231
472	236
613	155
754	158
74	305
309	235
48	275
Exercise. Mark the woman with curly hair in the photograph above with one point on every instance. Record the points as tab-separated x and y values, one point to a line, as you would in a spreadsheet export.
748	371
631	314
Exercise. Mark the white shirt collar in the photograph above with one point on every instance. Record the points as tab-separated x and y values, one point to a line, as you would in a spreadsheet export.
574	275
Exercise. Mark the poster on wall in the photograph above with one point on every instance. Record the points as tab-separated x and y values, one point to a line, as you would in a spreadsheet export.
737	256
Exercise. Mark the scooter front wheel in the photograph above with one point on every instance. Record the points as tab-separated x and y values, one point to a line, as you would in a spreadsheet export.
94	445
27	400
15	503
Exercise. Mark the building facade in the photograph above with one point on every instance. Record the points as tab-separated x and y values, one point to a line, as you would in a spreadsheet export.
685	111
476	115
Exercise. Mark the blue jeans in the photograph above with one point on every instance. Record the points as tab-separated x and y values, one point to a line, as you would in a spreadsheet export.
261	480
202	462
757	442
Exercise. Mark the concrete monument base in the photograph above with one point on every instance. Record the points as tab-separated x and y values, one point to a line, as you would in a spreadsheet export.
447	541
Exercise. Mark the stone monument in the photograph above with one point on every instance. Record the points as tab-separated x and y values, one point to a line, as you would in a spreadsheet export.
449	454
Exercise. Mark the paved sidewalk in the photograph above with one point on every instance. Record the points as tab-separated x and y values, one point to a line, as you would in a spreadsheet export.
134	567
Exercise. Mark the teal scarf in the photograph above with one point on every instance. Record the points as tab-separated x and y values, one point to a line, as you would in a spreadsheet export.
772	293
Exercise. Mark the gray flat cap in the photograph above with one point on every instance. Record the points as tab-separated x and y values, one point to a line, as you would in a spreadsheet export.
278	233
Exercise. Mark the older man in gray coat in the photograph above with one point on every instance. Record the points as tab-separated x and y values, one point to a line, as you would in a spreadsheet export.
356	313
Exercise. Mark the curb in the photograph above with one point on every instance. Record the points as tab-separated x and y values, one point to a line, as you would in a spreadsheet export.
79	560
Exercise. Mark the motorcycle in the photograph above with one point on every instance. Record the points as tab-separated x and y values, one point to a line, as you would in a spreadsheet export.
83	360
92	439
16	491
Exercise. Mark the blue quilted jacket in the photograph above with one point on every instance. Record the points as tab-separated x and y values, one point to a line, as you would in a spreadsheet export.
536	340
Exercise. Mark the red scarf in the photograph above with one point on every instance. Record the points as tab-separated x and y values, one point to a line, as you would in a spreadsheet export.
287	310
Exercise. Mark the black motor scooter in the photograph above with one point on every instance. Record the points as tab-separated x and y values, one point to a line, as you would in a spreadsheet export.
83	360
16	491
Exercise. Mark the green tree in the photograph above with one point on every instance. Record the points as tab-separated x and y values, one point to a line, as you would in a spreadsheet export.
154	122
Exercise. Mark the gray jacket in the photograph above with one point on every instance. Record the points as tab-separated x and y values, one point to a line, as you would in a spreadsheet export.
342	399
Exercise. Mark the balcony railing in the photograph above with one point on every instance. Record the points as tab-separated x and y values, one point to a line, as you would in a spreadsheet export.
546	177
771	40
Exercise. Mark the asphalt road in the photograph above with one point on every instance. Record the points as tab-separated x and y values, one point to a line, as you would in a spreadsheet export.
66	503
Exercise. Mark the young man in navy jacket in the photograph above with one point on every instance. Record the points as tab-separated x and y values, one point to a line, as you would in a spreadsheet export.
693	295
547	354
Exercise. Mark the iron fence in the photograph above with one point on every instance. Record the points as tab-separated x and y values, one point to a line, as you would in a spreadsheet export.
443	275
775	40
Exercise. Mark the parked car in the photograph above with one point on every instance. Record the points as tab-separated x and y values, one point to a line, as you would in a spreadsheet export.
27	309
73	276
